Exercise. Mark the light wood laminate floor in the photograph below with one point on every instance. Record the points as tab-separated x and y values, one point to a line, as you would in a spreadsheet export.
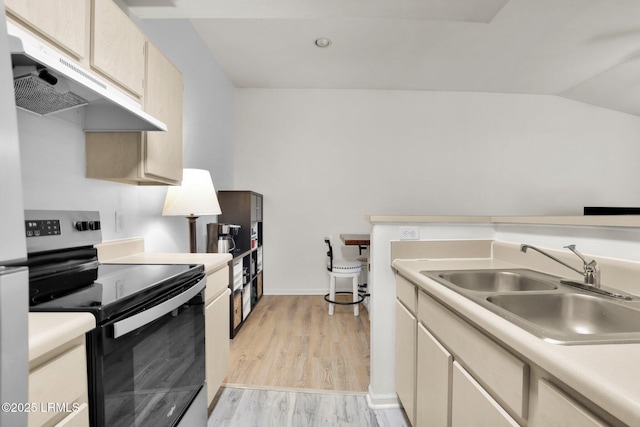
254	407
291	342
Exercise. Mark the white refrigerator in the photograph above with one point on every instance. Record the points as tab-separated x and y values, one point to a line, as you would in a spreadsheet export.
14	282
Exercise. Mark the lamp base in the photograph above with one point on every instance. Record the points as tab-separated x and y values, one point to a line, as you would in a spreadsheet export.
193	247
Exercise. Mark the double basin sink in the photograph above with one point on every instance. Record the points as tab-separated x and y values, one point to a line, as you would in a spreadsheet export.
557	310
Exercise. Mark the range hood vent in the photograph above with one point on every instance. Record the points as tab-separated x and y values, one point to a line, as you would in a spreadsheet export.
46	82
43	93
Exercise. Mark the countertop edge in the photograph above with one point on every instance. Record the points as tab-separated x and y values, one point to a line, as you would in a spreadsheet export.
587	220
48	331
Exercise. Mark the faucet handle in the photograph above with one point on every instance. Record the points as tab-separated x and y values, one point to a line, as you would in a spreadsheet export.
591	269
573	249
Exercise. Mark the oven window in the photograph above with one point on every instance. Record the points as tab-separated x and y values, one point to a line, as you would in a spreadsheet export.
150	376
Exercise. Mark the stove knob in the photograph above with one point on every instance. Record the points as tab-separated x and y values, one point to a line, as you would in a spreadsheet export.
94	225
82	225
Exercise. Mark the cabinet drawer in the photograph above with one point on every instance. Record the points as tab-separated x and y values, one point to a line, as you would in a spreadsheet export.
61	380
556	409
472	405
80	418
503	374
406	293
216	283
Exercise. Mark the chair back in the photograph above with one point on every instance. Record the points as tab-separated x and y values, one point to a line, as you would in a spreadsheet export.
329	241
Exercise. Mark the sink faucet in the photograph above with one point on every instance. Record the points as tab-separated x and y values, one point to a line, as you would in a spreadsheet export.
591	272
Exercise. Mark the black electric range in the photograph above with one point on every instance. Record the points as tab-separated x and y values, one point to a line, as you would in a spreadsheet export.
146	355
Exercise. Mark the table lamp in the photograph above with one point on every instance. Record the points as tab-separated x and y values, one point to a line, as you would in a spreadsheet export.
195	197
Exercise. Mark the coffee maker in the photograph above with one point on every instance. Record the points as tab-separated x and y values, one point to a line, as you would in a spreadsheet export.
221	237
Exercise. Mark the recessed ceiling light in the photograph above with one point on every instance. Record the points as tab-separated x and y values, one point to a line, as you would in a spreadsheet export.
323	42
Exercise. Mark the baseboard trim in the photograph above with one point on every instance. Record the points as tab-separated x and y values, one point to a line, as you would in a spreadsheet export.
382	401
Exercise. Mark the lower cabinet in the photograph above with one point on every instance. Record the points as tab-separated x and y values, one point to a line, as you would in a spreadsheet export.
471	405
556	409
449	373
58	389
433	403
406	360
216	329
217	343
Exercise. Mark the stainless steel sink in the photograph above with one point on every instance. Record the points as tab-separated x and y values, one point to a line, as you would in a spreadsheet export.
565	317
498	281
549	307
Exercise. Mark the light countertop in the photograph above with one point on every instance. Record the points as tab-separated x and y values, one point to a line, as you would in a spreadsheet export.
48	331
212	262
606	374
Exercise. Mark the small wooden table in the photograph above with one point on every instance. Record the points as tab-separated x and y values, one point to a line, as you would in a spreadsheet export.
356	239
362	241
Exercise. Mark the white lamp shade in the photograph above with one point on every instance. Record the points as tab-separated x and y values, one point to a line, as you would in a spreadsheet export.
196	196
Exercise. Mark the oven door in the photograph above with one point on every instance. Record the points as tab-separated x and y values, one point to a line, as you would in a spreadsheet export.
147	368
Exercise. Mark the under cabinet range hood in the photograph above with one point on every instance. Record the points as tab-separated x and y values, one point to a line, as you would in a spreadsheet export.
46	82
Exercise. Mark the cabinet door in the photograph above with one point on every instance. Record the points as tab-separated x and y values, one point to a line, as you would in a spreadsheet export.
117	46
163	100
216	343
406	360
62	380
472	406
79	418
504	374
149	157
434	365
62	21
556	409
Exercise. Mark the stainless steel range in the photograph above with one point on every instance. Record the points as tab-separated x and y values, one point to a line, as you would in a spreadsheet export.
146	364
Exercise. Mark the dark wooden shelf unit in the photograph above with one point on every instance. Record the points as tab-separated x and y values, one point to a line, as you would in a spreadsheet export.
243	208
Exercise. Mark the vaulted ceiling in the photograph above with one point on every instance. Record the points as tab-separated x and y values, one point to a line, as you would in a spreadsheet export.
587	50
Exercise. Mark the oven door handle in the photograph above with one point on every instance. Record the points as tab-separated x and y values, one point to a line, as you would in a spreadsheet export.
139	320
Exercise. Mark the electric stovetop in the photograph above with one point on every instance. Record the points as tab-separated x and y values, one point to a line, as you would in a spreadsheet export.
110	291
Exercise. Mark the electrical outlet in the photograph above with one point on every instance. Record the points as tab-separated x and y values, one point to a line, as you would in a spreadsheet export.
119	221
409	233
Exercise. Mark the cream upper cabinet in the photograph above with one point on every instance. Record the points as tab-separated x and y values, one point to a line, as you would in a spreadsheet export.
163	99
144	158
63	22
117	46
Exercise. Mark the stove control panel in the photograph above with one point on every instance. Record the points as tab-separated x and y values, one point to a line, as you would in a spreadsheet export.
42	227
48	230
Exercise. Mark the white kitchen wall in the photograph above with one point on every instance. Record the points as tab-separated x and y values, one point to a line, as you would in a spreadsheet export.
53	153
325	158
